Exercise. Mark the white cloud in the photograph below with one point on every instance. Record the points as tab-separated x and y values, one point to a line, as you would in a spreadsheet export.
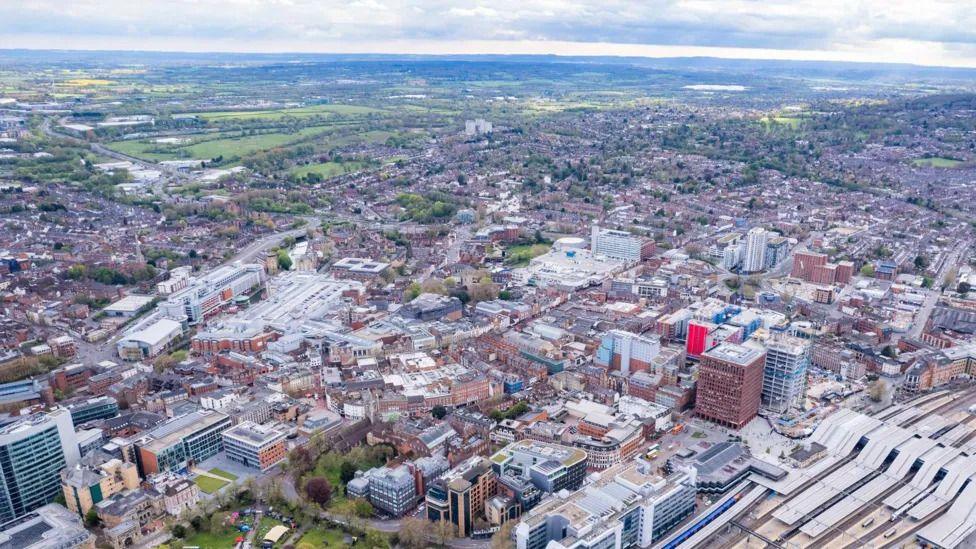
939	32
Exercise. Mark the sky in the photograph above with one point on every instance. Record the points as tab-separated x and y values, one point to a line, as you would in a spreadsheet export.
924	32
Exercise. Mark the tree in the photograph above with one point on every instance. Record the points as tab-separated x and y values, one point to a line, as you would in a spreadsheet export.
867	270
964	288
347	471
91	518
876	391
362	508
319	490
921	262
300	461
413	533
284	260
413	290
179	531
197	523
445	531
503	537
438	412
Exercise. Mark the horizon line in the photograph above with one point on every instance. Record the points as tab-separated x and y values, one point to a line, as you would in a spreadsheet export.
523	49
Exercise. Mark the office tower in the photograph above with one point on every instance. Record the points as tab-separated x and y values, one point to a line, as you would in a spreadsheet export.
730	378
629	506
460	495
101	407
393	491
549	467
754	257
257	446
785	372
620	245
182	441
33	451
627	352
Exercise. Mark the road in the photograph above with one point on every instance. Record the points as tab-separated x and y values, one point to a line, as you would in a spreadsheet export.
932	295
259	247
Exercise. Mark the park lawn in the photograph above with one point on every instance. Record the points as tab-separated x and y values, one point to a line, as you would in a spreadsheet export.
936	162
222	473
522	253
319	537
329	169
297	112
209	484
207	540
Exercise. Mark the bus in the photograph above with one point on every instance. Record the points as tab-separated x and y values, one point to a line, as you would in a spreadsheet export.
653	451
890	533
867	522
678	428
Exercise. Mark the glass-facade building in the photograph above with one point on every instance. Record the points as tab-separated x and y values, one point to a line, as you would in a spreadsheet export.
33	451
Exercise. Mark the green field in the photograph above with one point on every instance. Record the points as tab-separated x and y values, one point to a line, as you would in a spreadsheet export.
209	484
329	169
298	112
793	122
230	147
143	149
521	254
222	473
319	537
936	162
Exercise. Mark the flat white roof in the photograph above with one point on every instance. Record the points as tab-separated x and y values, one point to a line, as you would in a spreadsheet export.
129	304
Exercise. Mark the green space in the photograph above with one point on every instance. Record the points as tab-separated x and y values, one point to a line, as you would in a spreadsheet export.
519	255
297	112
328	169
333	538
237	147
209	484
319	537
211	540
232	145
793	122
266	524
222	473
936	162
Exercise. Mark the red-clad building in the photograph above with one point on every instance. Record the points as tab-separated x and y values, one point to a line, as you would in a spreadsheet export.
730	379
699	337
805	262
